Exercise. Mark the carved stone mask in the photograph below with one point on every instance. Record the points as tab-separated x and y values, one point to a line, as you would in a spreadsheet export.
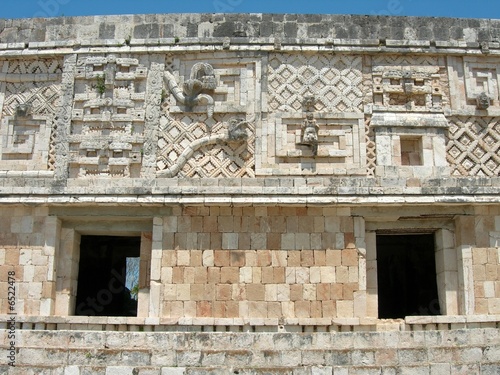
23	110
483	101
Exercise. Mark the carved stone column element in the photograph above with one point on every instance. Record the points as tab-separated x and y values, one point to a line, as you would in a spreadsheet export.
152	121
63	117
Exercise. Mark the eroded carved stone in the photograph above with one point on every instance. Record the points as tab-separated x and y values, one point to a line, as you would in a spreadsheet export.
310	128
109	108
23	110
483	101
196	89
29	97
402	83
309	135
202	148
481	77
237	130
473	146
335	80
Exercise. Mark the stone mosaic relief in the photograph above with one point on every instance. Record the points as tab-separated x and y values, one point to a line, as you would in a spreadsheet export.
29	96
205	130
198	146
315	105
475	84
404	83
335	80
371	150
196	101
481	79
473	146
108	117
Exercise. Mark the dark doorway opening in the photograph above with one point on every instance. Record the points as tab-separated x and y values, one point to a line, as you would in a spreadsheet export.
406	276
108	275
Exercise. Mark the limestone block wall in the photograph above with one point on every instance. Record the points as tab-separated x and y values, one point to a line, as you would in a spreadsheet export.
430	351
27	248
486	286
257	159
259	262
240	264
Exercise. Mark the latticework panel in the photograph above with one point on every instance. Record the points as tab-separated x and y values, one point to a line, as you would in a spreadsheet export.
51	162
223	159
402	60
42	93
334	80
473	146
371	151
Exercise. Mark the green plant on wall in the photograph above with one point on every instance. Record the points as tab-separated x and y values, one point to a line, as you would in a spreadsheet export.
101	84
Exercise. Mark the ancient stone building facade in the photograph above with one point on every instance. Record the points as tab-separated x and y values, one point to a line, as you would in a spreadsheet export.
205	194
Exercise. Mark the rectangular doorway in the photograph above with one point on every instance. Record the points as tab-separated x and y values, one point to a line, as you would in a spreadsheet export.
108	276
406	275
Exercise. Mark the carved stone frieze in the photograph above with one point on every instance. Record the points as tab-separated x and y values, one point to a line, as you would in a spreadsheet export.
197	89
109	105
403	83
204	132
198	146
474	86
31	94
310	127
481	81
339	150
473	146
335	80
227	84
413	143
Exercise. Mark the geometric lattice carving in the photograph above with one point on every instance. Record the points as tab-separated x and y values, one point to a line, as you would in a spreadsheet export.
51	162
182	132
401	83
31	94
371	149
335	80
32	82
473	146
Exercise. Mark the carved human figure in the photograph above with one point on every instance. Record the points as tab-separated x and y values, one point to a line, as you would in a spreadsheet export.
310	130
